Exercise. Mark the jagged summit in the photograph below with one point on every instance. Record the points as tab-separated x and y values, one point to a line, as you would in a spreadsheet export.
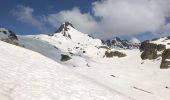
63	29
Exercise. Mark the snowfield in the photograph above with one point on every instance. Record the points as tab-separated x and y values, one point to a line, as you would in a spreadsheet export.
38	73
140	80
27	75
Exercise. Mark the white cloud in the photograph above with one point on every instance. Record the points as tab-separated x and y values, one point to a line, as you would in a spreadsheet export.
114	17
117	17
25	15
123	17
166	30
82	21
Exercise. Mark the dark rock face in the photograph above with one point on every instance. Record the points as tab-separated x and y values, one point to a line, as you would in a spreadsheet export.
161	47
165	59
149	50
114	54
63	29
108	43
65	57
149	54
144	45
12	35
121	44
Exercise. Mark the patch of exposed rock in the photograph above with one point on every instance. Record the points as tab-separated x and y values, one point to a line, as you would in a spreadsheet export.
165	59
150	50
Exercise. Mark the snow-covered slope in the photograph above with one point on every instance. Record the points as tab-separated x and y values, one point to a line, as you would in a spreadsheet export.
138	79
127	77
27	75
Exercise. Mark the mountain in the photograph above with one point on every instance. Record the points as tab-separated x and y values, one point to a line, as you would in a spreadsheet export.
82	68
67	41
117	43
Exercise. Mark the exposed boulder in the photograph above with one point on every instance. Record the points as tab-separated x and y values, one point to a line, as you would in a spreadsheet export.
110	54
147	45
161	47
165	59
149	50
149	54
65	57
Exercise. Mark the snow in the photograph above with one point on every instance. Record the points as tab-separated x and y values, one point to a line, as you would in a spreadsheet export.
87	76
27	75
2	35
124	74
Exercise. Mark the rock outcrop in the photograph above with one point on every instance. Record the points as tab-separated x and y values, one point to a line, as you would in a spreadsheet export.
152	50
149	50
63	29
111	54
8	36
165	59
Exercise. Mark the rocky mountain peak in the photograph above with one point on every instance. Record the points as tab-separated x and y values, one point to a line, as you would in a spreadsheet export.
63	29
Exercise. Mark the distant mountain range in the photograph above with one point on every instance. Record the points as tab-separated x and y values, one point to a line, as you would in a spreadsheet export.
118	43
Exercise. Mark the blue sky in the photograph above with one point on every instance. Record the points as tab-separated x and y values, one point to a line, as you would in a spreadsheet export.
41	8
143	19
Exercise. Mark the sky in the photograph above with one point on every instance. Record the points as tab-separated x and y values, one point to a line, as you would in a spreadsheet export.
104	19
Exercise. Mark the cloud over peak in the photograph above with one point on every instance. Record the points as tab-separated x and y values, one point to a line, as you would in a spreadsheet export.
118	17
109	17
82	21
